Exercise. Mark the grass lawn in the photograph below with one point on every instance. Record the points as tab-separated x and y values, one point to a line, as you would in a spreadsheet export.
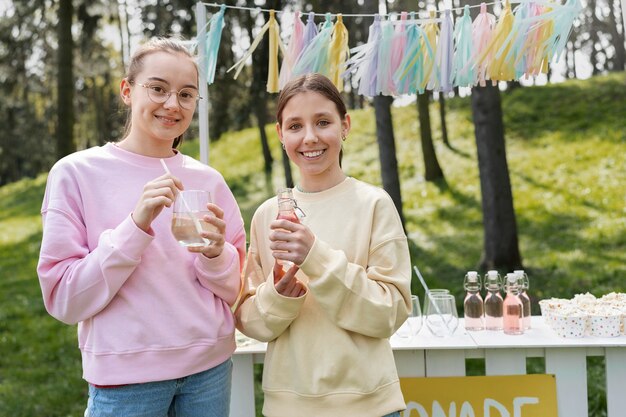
566	150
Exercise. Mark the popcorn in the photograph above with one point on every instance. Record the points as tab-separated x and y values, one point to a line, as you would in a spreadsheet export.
585	314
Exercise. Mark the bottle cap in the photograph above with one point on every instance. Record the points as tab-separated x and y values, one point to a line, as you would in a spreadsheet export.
511	278
492	280
472	276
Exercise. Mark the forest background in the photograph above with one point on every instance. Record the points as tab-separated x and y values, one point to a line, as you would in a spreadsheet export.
562	162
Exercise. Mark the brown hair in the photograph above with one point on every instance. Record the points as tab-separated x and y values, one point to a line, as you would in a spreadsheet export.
310	82
135	66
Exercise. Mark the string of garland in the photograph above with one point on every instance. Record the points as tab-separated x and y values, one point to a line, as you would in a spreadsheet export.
406	55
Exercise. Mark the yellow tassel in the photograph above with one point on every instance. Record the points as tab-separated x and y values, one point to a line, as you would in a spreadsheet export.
500	69
272	26
338	52
431	30
272	68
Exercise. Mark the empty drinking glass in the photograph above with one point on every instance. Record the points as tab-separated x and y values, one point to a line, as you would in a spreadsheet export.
441	315
434	291
413	323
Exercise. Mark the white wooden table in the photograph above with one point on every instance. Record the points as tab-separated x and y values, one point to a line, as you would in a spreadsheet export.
427	355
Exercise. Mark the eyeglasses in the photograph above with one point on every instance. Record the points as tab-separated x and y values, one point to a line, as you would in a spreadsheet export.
158	93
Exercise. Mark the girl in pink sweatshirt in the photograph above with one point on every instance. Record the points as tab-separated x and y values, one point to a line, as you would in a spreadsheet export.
155	327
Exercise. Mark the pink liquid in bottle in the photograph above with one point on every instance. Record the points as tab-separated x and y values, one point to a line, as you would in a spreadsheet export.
286	211
513	309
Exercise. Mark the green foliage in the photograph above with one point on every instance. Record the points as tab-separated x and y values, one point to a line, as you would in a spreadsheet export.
567	173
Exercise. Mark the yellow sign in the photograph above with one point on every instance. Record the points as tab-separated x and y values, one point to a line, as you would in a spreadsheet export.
480	396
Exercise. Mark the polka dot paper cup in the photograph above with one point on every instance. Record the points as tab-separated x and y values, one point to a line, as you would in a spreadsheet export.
606	324
571	325
550	307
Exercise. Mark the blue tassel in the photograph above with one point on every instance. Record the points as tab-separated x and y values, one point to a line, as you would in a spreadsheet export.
213	38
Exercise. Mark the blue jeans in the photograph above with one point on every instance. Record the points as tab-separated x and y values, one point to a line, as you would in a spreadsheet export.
395	414
205	394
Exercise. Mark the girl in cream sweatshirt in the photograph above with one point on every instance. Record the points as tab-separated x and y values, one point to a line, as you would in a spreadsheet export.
327	319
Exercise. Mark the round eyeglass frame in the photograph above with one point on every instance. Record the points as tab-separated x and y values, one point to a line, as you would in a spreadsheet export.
167	94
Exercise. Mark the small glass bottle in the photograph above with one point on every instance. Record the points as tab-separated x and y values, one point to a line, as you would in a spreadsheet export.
473	308
523	295
513	309
493	301
286	211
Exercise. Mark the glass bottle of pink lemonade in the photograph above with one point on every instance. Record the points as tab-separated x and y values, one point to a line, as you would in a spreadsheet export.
286	211
493	301
522	280
473	309
513	308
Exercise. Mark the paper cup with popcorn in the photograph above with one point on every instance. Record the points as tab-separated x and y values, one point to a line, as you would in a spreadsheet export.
569	322
605	322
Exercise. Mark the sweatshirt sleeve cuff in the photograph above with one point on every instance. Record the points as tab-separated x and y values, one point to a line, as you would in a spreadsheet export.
130	239
316	262
272	303
220	263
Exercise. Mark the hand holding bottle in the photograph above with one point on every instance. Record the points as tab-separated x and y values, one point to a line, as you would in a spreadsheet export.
286	283
290	241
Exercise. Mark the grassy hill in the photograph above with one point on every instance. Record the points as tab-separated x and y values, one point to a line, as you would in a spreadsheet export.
566	150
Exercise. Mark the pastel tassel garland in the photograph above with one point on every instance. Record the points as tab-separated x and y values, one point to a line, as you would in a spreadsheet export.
364	61
296	44
463	73
310	30
541	29
398	47
338	52
403	78
431	30
501	69
482	32
314	56
563	18
384	84
213	37
412	69
275	43
443	57
517	38
403	57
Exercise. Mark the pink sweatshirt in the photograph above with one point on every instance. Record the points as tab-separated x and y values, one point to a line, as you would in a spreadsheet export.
147	309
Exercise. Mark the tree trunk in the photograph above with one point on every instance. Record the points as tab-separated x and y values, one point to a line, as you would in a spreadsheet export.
442	116
123	28
287	168
65	81
593	37
387	151
619	59
260	112
432	170
500	242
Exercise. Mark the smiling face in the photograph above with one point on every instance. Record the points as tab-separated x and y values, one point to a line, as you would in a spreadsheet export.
155	125
312	131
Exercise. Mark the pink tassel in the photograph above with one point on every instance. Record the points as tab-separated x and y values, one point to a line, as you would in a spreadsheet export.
296	44
398	45
482	30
